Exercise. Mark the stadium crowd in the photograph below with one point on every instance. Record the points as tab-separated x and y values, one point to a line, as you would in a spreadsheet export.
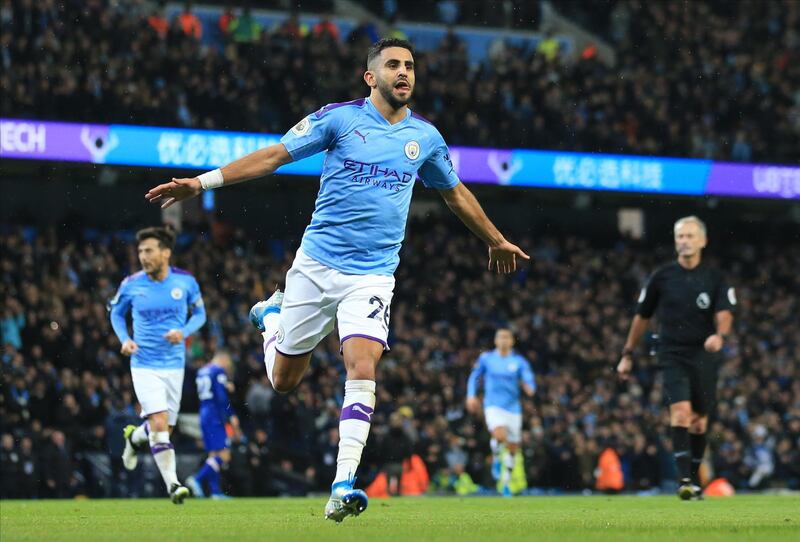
691	79
66	390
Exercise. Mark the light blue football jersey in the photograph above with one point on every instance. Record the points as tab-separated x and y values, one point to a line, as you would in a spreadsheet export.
502	376
156	308
368	174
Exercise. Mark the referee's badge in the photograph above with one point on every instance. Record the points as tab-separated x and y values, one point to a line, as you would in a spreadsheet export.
176	293
703	301
412	150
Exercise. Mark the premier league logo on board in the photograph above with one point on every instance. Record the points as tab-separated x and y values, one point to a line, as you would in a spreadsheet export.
302	127
412	150
176	293
703	301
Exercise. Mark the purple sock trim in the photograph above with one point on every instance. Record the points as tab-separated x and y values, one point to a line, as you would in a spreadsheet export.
357	411
293	355
161	447
370	337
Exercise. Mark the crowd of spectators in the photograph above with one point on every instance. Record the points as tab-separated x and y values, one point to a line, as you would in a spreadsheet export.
66	390
516	14
690	79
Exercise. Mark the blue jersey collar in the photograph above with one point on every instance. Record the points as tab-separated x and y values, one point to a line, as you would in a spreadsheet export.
373	111
169	274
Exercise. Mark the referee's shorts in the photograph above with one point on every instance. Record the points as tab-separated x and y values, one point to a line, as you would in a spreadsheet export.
691	375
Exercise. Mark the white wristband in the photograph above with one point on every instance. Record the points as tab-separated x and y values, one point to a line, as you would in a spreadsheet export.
211	179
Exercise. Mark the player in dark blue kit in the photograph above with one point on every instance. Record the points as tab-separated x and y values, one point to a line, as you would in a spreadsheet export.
215	412
343	272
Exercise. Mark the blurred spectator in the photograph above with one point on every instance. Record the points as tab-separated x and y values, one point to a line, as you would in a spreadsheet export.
158	22
9	467
13	320
325	29
569	311
293	29
746	56
57	467
548	47
225	20
759	456
189	23
245	28
741	149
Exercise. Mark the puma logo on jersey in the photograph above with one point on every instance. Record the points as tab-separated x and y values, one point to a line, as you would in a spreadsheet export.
362	136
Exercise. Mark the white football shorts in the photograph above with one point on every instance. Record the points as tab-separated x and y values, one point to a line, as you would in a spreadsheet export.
498	417
158	390
316	296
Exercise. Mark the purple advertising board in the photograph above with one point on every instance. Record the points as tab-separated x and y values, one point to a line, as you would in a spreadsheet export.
205	149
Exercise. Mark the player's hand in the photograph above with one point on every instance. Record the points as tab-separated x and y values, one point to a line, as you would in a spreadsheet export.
714	343
473	405
129	347
503	257
174	191
624	367
175	336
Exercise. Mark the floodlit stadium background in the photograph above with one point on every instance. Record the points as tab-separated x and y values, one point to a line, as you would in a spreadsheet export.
585	129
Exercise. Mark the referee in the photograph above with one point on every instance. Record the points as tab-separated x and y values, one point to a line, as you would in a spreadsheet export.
694	305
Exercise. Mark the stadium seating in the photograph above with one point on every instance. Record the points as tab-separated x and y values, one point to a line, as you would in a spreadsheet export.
681	68
66	390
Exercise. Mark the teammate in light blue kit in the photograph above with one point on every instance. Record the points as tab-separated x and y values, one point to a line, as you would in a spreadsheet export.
343	272
160	299
215	412
505	374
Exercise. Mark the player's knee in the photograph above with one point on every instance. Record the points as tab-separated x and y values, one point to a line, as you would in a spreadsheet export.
158	422
360	368
284	382
681	418
698	424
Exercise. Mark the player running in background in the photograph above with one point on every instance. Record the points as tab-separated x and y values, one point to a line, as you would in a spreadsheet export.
504	374
215	413
695	312
344	269
160	299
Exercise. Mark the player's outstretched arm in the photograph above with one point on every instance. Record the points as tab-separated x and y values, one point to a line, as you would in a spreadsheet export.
256	164
502	254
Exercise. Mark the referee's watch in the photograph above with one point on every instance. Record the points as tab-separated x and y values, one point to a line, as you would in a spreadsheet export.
628	352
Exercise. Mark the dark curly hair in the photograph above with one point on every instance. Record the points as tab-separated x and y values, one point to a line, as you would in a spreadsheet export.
385	43
165	235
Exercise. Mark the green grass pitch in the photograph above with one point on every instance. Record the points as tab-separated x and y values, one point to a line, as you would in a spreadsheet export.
583	519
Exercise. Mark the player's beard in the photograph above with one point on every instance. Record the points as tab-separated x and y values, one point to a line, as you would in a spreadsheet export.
387	91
